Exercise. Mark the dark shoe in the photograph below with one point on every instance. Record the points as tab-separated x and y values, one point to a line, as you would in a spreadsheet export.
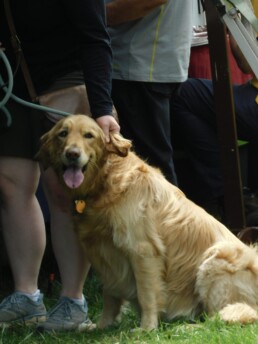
252	219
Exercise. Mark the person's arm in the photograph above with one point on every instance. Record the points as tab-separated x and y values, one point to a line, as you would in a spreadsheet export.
239	56
88	17
121	11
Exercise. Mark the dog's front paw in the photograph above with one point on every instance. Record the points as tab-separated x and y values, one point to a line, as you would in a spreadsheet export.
149	321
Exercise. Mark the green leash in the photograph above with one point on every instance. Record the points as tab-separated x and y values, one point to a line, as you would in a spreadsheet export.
8	88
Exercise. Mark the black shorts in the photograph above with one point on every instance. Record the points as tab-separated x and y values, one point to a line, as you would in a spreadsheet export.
21	138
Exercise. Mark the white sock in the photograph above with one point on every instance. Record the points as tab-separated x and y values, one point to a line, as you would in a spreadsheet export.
34	297
78	301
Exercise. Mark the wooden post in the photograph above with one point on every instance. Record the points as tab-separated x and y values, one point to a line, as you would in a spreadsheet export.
224	108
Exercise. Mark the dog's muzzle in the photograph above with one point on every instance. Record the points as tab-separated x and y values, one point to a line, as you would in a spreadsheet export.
74	167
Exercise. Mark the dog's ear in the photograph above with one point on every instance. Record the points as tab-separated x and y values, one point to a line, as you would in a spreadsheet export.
43	154
118	145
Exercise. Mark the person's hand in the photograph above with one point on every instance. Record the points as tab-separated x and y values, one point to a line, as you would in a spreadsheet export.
1	46
108	124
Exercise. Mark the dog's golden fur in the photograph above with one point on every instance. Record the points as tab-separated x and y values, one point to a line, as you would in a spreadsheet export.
148	242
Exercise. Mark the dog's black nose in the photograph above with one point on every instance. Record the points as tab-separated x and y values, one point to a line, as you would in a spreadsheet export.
73	153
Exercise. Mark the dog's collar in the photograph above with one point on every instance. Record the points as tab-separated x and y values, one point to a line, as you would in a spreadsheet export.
80	206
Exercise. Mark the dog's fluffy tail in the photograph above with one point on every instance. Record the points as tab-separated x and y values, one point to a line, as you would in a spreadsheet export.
238	313
227	282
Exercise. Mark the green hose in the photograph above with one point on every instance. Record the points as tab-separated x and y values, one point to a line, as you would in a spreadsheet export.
8	94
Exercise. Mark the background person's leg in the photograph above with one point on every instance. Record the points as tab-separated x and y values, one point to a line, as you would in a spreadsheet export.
194	125
144	117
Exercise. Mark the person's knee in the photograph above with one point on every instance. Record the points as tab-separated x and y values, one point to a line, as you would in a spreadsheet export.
186	88
10	191
56	196
6	188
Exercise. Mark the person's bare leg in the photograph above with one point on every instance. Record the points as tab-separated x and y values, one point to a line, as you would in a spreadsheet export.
22	221
72	262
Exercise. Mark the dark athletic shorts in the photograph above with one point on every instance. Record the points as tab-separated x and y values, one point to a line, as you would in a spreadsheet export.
21	139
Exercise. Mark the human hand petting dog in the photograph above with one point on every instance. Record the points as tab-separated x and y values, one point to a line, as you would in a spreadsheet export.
108	124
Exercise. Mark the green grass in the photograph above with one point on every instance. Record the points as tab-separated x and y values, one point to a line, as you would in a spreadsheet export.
210	331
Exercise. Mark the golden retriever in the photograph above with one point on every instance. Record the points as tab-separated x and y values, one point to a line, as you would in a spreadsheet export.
150	244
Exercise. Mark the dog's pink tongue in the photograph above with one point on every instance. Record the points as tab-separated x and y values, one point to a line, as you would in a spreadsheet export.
73	177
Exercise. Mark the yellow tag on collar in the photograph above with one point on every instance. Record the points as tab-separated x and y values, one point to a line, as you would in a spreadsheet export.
80	206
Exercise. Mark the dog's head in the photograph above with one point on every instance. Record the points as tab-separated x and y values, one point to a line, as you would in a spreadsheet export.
76	147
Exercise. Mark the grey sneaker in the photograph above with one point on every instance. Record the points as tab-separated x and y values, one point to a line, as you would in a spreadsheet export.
18	308
67	316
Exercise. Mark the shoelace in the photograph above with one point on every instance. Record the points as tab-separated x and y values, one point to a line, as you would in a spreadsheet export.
9	299
6	302
64	307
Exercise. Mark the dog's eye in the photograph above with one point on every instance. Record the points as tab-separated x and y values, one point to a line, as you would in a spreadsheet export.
88	136
63	133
